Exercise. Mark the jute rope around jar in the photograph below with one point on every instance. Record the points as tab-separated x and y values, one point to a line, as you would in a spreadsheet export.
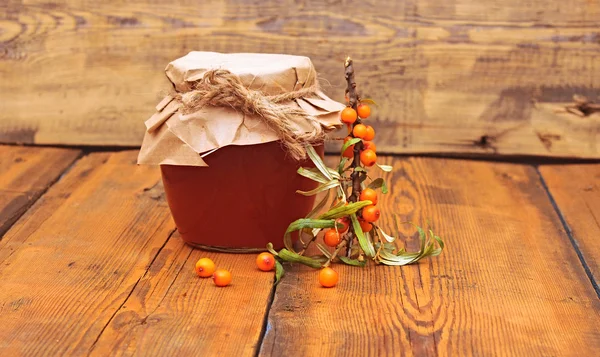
221	88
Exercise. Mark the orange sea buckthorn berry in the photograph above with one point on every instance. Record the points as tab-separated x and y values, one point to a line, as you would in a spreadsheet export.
346	222
222	277
369	145
349	152
369	194
328	277
370	213
348	115
369	133
368	157
332	238
365	226
359	131
363	111
205	267
265	261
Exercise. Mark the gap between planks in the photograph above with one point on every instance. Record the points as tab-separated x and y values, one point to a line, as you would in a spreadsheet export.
56	165
569	233
133	288
498	282
106	222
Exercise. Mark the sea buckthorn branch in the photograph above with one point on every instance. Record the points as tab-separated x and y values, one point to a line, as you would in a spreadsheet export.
350	221
335	253
353	100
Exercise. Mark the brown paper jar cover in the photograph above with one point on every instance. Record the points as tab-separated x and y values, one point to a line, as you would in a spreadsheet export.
228	180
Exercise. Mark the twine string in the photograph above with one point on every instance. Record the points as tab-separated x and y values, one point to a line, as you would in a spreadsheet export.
221	88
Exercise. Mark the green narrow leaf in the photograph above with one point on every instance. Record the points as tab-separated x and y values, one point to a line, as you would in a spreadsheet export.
342	193
316	171
436	251
349	143
385	235
319	206
310	223
296	258
316	159
422	236
389	246
322	187
315	176
353	262
270	249
279	271
334	173
305	223
438	239
427	249
341	165
379	183
360	169
388	258
345	210
364	243
369	101
386	168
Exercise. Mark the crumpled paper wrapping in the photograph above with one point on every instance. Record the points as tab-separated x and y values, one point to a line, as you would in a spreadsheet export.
174	138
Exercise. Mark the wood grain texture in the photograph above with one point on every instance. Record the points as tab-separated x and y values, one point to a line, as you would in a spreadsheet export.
94	268
25	174
70	262
576	190
508	283
173	312
459	76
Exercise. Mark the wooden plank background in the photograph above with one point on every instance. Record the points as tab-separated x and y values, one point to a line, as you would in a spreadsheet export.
508	283
576	191
25	174
458	76
94	267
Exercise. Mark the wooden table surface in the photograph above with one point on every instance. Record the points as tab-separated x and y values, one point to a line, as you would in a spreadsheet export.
91	264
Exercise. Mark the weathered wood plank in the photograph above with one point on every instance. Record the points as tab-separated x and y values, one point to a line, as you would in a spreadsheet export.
93	267
25	173
508	283
70	261
173	312
576	190
478	77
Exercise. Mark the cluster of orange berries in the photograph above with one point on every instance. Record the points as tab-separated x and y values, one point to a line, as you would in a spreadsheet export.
369	215
368	155
333	237
206	268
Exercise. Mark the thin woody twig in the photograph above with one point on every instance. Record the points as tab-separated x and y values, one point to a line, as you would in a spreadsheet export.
335	253
353	100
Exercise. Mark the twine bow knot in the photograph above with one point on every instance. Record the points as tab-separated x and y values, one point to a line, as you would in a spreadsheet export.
221	88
